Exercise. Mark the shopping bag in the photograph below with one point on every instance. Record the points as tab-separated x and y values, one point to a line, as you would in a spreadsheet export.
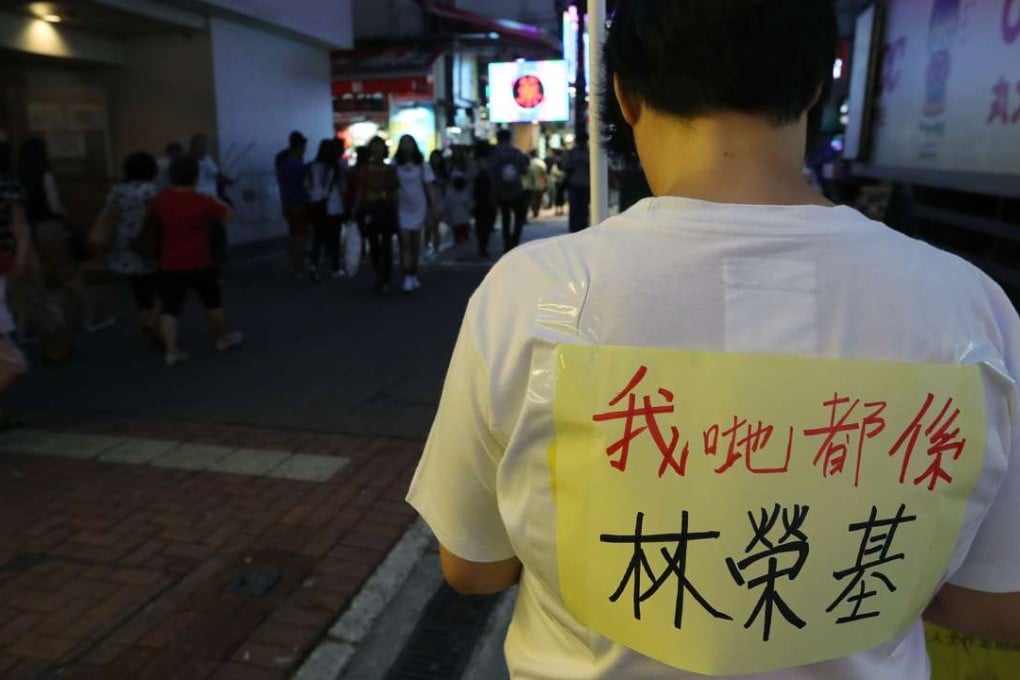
352	249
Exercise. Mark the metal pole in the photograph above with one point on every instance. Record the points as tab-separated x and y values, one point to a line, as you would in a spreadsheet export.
580	79
599	161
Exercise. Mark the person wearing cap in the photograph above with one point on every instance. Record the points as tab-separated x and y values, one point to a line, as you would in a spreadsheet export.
291	175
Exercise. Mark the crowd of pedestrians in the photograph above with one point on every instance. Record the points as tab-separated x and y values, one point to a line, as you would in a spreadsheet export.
333	207
162	230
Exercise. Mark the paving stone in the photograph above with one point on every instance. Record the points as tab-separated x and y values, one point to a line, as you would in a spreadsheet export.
250	462
137	451
35	442
307	468
192	457
84	446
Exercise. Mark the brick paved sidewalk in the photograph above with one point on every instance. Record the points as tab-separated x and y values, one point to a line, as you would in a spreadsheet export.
121	571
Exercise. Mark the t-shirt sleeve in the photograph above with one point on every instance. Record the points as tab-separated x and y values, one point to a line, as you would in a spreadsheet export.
454	488
992	564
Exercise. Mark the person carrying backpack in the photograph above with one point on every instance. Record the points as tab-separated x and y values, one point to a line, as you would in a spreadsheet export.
507	168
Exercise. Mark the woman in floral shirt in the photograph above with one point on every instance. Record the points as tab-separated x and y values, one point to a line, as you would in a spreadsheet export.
122	219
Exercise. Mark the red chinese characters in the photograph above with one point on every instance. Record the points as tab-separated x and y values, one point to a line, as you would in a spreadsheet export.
837	447
745	440
647	413
845	419
943	438
529	92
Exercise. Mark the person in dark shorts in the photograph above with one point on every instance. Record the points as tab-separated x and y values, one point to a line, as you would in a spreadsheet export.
291	176
186	219
118	226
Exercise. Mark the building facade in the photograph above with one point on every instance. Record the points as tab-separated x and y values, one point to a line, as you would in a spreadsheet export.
99	79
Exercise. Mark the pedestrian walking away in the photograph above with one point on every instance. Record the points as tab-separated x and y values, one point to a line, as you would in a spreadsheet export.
441	172
644	424
116	230
418	202
61	247
507	169
184	221
292	176
376	207
327	184
577	178
537	183
15	255
485	200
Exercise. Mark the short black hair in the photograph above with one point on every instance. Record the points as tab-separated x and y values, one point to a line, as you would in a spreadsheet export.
184	172
140	167
698	57
504	136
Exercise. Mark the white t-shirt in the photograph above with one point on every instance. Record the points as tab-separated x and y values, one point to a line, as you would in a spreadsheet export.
685	274
413	205
208	171
325	186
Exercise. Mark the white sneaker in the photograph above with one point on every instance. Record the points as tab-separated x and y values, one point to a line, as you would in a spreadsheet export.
230	341
408	286
178	357
416	283
339	274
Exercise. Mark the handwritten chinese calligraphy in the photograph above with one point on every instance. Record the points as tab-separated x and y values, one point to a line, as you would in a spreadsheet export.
943	437
675	566
648	412
791	546
821	488
876	544
833	452
745	440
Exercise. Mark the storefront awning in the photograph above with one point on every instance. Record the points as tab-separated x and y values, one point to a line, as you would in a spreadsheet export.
397	72
482	24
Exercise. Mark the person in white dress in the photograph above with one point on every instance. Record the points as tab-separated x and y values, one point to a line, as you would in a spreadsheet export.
417	196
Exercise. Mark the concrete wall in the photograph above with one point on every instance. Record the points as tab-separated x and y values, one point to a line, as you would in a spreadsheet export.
266	85
387	18
328	21
164	93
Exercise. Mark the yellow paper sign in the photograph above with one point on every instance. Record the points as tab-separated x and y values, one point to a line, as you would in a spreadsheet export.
959	657
729	514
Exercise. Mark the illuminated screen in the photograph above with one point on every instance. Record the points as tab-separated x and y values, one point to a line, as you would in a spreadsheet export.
528	91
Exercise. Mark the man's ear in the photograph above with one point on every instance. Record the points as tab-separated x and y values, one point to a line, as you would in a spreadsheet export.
630	106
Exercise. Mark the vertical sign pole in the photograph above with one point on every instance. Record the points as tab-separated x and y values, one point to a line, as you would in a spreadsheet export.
599	161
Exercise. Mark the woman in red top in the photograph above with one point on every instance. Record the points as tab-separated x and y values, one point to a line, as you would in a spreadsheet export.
186	220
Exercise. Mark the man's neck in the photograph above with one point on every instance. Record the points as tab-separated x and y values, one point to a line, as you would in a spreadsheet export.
727	158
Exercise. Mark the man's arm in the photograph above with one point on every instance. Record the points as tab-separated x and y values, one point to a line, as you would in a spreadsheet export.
990	616
477	578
